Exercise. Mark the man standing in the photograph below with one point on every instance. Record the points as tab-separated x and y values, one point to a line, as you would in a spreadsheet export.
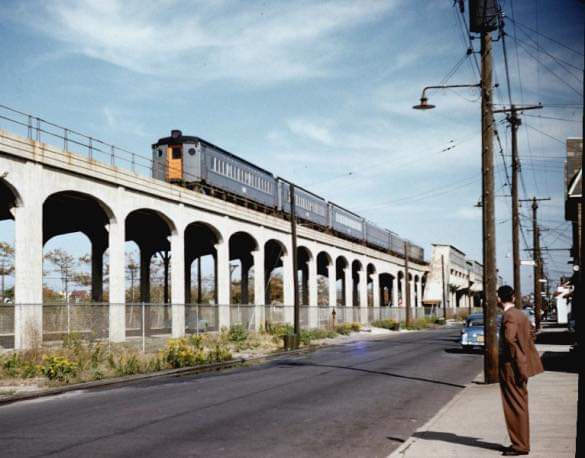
519	360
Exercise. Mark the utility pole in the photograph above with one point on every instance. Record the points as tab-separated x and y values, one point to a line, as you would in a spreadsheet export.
488	209
293	231
407	284
444	287
515	122
537	259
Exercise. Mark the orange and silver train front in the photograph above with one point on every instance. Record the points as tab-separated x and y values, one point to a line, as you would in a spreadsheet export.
167	158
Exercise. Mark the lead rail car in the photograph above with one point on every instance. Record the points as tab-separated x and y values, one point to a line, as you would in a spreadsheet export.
195	163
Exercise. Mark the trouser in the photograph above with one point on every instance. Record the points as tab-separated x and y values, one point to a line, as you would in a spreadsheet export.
515	401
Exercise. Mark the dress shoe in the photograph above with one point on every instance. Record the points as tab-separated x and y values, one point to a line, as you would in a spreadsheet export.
513	452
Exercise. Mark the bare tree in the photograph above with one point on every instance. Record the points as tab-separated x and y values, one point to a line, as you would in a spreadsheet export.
65	265
6	265
132	268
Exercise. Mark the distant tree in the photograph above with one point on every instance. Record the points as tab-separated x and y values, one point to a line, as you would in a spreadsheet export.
6	266
322	290
132	274
65	265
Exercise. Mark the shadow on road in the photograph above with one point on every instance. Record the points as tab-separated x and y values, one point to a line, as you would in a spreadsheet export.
455	439
388	374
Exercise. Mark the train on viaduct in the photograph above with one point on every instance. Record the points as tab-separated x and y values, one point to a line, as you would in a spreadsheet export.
194	200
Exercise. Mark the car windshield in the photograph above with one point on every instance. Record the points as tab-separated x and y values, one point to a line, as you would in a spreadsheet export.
475	322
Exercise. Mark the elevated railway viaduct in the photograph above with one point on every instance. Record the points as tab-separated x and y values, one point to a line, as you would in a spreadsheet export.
50	191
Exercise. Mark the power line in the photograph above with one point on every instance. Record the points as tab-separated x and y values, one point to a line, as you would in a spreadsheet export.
524	26
562	80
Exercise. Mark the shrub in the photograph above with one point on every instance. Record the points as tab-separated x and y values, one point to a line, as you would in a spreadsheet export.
58	368
307	335
73	341
344	329
218	354
178	353
387	324
237	333
279	329
356	327
128	365
20	365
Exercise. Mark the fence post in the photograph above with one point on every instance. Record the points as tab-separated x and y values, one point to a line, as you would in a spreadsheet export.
38	129
90	148
68	317
197	319
65	140
30	127
143	329
112	155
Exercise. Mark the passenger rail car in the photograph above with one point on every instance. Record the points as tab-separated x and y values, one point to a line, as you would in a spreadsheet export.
190	160
195	163
346	222
377	236
308	206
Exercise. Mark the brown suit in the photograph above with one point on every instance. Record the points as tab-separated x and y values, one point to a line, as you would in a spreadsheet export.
519	360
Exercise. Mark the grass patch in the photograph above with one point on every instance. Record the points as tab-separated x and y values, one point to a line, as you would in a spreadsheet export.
390	324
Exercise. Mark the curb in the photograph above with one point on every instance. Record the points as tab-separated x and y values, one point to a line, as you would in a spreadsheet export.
400	452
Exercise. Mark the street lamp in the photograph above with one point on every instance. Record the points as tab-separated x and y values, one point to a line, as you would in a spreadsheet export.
423	105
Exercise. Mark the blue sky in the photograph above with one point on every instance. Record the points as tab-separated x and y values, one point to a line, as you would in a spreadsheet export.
319	92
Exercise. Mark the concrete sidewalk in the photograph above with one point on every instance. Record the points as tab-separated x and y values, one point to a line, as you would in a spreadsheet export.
472	424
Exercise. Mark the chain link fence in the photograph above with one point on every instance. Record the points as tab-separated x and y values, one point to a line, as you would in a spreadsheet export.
149	325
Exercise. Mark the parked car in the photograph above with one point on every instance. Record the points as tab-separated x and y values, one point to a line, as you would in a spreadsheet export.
472	334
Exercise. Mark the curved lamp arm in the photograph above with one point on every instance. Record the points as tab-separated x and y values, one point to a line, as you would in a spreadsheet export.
423	105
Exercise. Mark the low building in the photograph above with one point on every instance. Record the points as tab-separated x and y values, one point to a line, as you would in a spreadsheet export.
453	277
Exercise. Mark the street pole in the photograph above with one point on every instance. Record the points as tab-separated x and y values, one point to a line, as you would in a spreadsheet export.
293	231
407	284
537	259
488	210
537	263
515	122
444	287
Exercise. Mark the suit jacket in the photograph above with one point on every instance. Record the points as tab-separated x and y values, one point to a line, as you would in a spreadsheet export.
517	345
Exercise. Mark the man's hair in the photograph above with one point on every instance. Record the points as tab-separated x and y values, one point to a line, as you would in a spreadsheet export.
506	293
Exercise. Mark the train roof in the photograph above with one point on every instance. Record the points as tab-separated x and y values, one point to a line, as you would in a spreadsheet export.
302	189
177	138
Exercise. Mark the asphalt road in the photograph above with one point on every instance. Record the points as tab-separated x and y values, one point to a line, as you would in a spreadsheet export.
359	399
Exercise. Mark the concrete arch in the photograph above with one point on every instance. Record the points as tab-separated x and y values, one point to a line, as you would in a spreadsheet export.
9	193
305	251
163	217
274	283
245	237
107	209
242	245
218	234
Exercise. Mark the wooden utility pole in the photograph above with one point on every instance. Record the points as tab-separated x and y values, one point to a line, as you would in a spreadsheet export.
488	209
293	230
536	256
407	285
444	283
515	122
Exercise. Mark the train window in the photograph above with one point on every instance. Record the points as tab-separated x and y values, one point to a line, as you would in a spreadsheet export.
160	153
192	151
176	154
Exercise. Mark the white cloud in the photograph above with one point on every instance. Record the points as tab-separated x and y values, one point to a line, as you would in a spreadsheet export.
311	131
251	41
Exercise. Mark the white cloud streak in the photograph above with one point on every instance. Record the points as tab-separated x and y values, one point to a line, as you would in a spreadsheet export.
249	41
